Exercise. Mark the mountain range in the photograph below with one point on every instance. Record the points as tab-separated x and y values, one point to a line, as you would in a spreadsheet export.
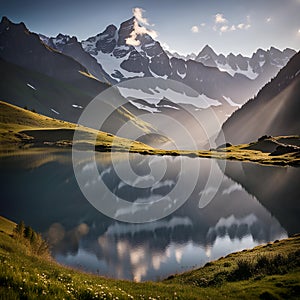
262	61
232	79
59	76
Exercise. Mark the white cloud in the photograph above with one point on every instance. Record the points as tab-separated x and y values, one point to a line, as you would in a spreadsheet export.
223	25
139	30
241	26
224	28
195	29
138	13
203	24
219	19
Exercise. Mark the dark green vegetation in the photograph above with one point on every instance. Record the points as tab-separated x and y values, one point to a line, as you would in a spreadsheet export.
270	271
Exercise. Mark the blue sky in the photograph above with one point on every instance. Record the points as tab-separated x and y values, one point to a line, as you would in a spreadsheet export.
236	26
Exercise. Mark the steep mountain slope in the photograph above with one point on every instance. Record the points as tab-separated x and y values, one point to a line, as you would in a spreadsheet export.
24	48
275	110
51	97
71	47
44	94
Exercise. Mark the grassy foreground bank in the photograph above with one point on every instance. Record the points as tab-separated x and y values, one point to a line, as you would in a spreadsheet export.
270	271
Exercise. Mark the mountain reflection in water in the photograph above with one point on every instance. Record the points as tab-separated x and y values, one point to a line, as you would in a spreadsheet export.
253	204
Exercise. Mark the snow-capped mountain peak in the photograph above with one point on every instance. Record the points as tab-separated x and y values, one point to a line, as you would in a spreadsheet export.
121	58
251	67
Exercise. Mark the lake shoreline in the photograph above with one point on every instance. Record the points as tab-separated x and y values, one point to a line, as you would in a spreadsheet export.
20	128
232	153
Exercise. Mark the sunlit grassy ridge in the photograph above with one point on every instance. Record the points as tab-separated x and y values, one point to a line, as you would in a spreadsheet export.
19	127
28	276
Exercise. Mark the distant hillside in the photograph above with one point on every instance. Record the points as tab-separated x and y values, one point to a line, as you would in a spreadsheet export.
274	111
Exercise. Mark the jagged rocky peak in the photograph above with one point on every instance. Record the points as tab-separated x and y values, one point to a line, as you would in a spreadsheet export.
275	52
125	30
5	20
7	24
207	56
205	52
64	39
59	42
288	52
104	41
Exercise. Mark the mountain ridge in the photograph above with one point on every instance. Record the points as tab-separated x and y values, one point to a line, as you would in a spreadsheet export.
275	108
231	62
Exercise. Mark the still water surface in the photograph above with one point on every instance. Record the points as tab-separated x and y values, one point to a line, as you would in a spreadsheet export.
247	205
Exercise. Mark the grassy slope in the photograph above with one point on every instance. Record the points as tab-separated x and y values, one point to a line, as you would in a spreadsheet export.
25	275
19	126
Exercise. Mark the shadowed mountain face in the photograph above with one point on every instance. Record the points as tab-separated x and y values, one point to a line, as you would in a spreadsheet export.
275	110
71	47
23	48
46	95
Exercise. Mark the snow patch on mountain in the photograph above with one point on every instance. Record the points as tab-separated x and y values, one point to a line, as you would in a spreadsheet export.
157	76
77	106
31	86
144	107
53	110
227	68
112	66
181	75
230	102
155	96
